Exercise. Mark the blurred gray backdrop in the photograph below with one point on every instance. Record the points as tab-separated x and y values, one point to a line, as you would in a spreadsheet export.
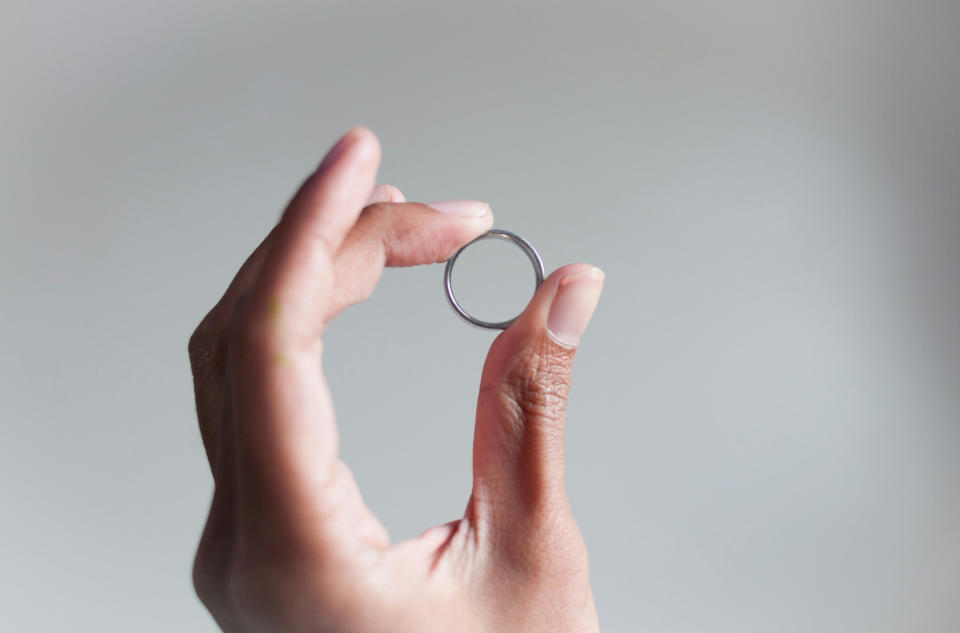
763	429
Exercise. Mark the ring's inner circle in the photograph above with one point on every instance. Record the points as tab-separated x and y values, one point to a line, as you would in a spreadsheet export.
493	279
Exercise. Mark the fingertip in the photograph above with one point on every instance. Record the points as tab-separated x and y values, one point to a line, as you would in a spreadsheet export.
395	195
358	142
385	193
561	307
364	141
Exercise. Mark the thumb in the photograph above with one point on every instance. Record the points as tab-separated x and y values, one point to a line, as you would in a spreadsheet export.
518	457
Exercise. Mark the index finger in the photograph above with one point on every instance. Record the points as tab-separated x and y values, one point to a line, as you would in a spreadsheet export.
287	441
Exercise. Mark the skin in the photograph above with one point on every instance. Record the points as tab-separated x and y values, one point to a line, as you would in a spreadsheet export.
289	544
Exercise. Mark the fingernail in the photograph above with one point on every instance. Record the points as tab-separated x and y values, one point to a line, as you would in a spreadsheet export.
468	208
573	305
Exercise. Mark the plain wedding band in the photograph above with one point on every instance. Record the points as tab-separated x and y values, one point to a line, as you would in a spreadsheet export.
492	234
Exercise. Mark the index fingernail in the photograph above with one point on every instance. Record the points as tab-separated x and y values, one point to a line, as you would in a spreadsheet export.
467	208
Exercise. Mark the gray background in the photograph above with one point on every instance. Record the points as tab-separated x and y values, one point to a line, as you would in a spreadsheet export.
763	431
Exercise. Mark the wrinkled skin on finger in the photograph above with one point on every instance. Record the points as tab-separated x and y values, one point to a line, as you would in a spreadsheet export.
289	544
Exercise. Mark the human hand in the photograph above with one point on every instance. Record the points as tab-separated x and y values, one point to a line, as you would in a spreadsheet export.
289	544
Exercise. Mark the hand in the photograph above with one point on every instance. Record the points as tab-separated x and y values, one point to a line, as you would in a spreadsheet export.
289	544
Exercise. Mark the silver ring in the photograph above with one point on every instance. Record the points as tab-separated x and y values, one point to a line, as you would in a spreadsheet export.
492	234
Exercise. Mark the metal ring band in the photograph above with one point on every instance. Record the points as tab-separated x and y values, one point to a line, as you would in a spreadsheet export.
492	234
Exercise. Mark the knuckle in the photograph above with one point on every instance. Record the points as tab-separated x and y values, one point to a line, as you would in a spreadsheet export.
210	565
259	331
267	587
250	589
202	345
251	582
196	341
537	383
201	335
207	584
248	331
